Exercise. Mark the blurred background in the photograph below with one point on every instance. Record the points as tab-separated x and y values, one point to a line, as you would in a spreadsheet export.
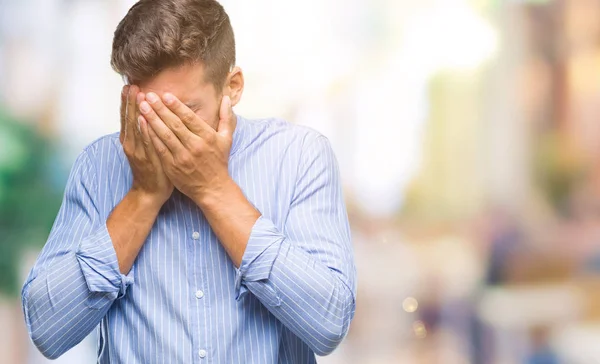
468	137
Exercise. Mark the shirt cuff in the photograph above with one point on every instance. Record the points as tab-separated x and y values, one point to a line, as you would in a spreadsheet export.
258	259
100	266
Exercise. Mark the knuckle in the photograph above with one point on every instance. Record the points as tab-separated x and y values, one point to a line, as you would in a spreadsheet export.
149	115
197	148
210	138
184	159
177	127
140	155
187	118
130	123
157	106
161	151
127	149
167	137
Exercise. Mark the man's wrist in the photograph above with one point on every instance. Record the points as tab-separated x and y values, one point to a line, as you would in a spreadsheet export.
145	200
218	194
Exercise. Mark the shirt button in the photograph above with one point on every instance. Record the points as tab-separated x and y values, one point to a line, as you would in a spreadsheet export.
195	235
202	353
199	294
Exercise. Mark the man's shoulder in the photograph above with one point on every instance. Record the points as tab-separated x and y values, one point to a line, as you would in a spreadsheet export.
104	151
106	144
277	129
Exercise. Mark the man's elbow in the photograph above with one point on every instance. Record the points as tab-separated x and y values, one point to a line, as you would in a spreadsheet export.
332	339
335	332
40	335
45	346
44	340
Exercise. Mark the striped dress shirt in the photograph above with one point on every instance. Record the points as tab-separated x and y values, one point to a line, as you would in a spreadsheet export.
184	301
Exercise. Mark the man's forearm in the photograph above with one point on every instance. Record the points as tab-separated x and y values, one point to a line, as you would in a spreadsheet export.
231	217
129	225
56	325
304	294
312	300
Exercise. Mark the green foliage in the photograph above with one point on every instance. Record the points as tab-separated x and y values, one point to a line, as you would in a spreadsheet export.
29	200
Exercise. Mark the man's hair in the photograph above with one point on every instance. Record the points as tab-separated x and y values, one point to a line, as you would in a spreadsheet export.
160	34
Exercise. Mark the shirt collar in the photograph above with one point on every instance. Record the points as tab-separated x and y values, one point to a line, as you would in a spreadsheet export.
238	135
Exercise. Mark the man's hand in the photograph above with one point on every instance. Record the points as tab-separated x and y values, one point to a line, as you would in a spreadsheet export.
149	179
194	156
131	220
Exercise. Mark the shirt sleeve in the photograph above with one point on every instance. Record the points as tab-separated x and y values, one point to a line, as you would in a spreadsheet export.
305	275
76	276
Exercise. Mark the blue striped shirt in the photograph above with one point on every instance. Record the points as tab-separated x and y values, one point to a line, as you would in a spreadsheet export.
184	301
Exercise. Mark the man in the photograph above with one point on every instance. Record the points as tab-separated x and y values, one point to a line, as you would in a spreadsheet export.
194	235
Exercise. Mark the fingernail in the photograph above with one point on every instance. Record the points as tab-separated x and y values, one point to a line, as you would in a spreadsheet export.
168	98
151	97
228	101
124	90
144	107
140	98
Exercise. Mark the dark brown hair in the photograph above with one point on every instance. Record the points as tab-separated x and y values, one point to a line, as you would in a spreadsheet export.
159	34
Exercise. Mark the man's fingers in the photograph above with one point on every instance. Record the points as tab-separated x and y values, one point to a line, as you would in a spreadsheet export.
139	98
162	131
147	140
140	146
227	119
131	117
187	116
145	136
123	111
171	120
159	147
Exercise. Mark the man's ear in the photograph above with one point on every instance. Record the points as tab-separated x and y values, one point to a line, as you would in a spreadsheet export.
235	85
